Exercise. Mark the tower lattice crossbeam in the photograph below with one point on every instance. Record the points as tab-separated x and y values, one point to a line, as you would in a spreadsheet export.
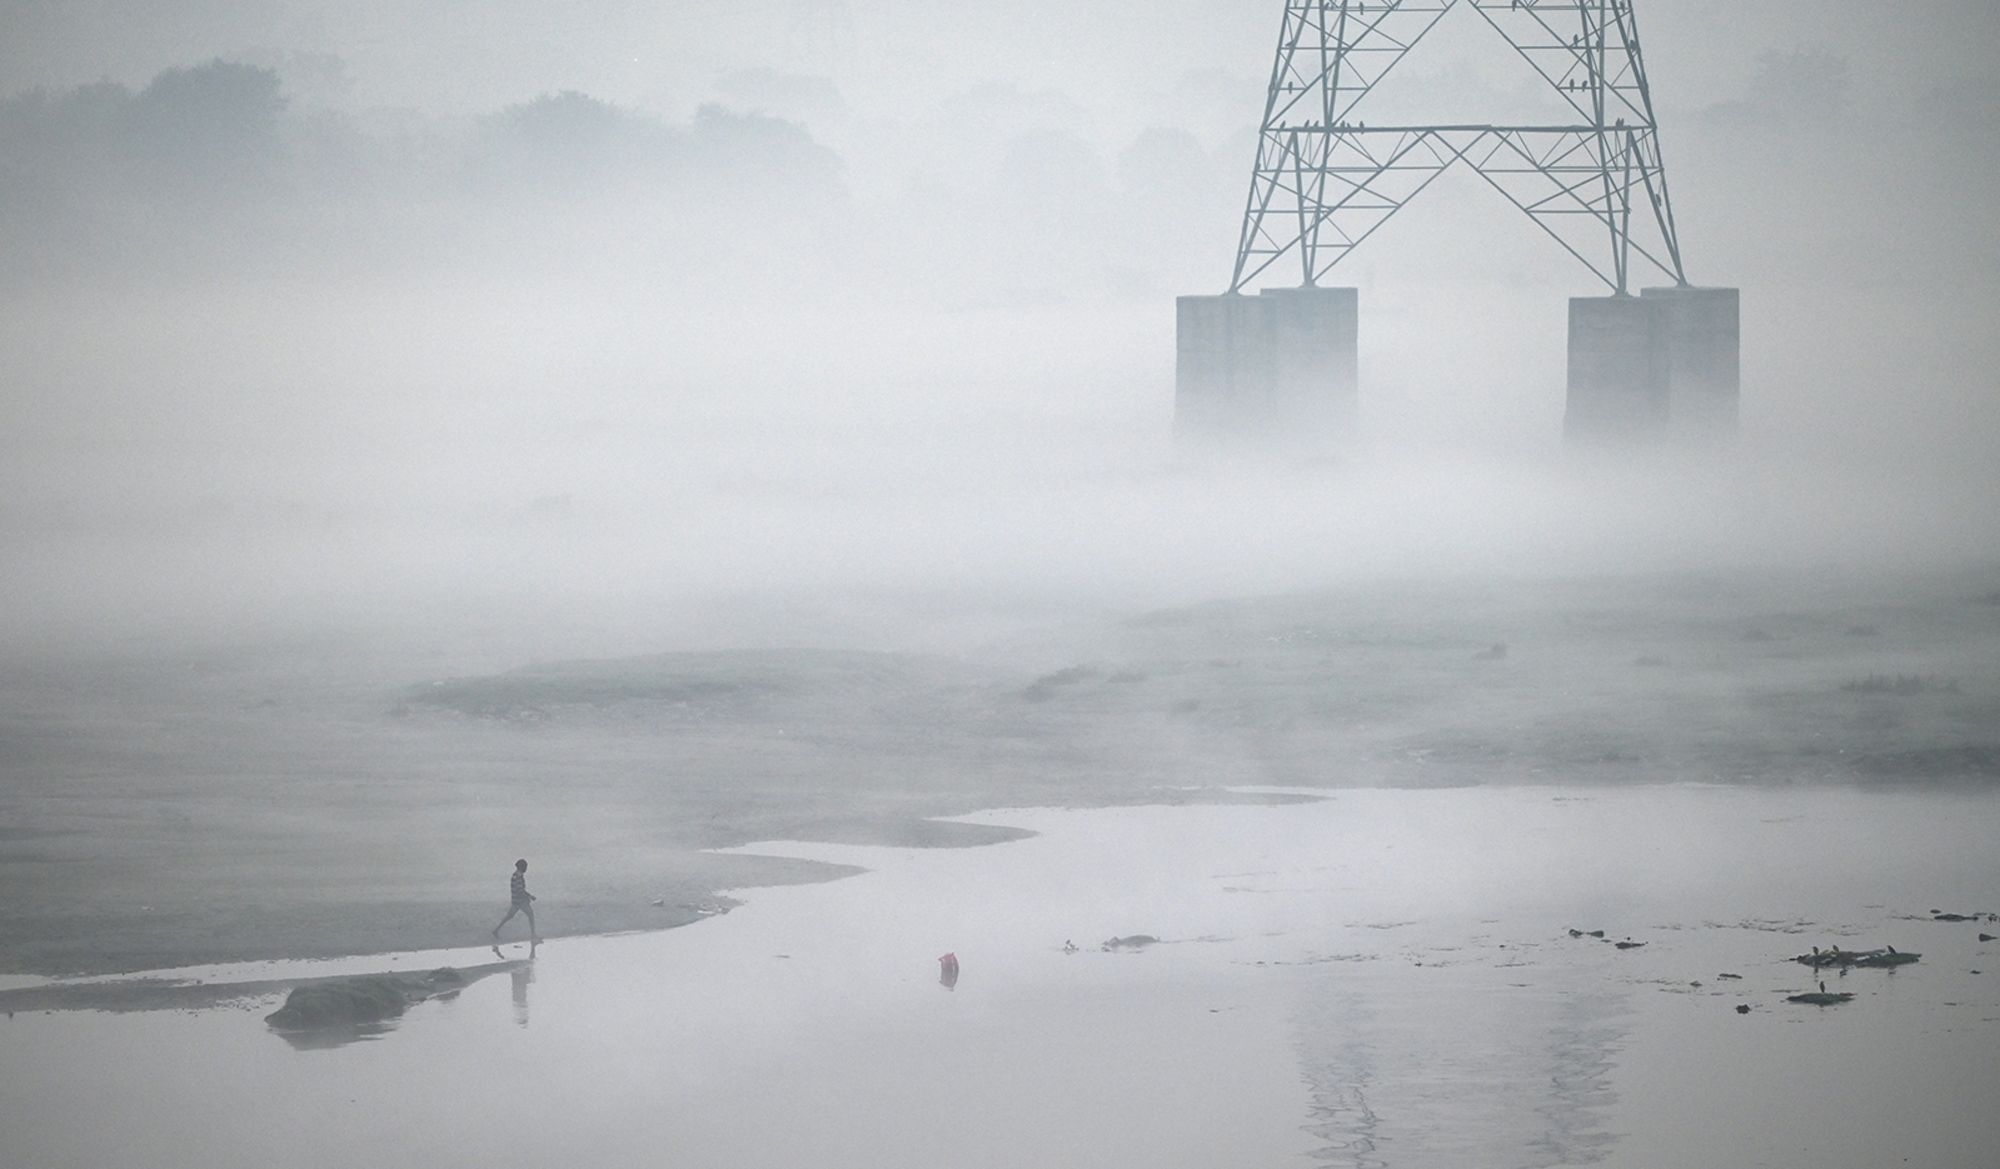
1325	180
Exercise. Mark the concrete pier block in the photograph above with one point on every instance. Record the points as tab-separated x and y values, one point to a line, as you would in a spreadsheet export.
1701	342
1316	365
1273	373
1618	387
1223	369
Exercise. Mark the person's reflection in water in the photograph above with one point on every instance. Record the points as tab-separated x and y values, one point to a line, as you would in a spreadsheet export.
523	976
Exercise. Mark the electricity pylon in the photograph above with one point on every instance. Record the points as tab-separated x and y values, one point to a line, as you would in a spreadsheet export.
1326	180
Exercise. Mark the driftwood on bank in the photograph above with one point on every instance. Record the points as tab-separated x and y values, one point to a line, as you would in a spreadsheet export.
1887	957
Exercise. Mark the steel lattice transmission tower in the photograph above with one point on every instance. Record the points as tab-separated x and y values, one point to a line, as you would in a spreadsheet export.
1325	180
1281	368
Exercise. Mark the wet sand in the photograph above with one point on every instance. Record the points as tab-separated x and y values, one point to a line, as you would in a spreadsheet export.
1382	978
366	790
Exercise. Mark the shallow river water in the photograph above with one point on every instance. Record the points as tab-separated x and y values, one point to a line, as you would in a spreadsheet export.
1384	978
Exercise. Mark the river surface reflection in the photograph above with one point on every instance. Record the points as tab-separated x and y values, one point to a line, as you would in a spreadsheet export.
1382	979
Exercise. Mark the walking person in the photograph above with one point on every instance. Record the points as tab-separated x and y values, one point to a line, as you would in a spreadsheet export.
522	901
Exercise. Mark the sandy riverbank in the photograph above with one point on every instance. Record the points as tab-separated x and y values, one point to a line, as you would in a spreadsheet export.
168	804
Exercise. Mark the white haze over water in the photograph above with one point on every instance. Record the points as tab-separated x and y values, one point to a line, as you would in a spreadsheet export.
349	348
824	296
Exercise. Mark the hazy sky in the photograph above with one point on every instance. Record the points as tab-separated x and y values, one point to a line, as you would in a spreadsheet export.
891	55
930	324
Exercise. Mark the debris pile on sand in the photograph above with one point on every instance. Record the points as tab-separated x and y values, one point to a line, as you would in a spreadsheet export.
1627	944
1888	956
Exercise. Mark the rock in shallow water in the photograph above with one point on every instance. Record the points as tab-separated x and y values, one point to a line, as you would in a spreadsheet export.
343	1002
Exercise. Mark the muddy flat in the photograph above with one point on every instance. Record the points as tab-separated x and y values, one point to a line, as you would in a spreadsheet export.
1379	978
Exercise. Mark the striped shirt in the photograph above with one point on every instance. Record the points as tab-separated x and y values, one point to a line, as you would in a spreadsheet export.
519	886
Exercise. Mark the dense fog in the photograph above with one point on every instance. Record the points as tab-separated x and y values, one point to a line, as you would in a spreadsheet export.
316	313
725	453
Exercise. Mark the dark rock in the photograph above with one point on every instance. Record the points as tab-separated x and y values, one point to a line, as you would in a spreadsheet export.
1742	1008
343	1003
1629	944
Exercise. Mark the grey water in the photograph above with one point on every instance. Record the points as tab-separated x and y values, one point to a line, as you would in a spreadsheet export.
1382	978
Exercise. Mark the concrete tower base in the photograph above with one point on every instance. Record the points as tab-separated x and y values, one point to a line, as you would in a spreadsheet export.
1617	377
1701	342
1275	373
1661	366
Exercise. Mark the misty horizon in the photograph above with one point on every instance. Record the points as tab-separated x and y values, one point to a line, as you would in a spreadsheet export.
264	306
966	686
